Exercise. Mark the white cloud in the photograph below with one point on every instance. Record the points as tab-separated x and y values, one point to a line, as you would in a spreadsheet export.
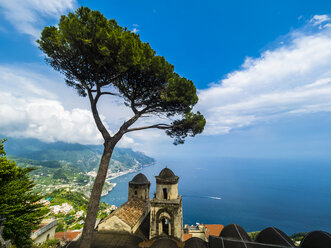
135	28
318	19
28	16
46	120
294	78
30	108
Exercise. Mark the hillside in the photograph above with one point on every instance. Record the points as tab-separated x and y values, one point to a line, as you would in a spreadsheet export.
62	165
84	158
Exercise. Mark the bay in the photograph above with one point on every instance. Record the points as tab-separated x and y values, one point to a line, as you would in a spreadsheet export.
291	194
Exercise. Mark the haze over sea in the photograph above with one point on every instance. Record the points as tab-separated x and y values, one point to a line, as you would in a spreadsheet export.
293	195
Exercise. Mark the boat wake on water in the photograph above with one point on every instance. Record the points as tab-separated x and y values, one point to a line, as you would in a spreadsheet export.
206	196
214	197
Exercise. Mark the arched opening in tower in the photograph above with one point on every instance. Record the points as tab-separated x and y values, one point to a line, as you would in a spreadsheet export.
165	226
165	193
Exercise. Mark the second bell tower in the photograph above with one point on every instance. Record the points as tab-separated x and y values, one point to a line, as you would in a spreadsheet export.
166	217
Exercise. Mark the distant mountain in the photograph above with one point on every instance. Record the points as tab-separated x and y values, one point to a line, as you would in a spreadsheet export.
83	157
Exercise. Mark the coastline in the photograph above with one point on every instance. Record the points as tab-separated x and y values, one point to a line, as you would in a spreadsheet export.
113	175
110	188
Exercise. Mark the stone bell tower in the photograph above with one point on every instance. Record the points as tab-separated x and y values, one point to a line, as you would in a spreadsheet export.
166	215
139	187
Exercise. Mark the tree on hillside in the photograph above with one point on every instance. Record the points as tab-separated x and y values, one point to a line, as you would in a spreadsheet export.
100	58
18	204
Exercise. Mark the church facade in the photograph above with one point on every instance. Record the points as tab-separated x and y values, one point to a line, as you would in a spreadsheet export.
161	216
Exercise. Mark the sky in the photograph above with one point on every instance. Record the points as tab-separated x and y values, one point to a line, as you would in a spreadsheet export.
262	69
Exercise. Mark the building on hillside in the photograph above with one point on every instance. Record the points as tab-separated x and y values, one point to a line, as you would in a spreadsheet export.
79	214
202	231
45	202
213	229
110	209
68	235
65	208
45	231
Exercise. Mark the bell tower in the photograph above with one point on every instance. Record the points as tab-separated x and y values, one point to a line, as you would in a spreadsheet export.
139	187
166	215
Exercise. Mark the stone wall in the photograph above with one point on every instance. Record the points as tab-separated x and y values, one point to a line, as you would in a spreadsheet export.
170	210
49	234
114	224
172	191
138	191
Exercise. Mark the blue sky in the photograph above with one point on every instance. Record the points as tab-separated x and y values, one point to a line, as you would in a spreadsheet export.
263	70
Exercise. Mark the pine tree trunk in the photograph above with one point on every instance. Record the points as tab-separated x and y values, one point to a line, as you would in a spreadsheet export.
92	211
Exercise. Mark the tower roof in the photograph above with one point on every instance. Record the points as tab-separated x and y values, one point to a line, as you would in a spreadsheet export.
166	173
139	179
167	176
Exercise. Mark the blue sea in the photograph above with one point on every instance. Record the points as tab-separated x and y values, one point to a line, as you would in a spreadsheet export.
292	195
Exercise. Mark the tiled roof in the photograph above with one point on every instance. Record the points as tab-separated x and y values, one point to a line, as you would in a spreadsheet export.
69	235
213	229
130	212
187	236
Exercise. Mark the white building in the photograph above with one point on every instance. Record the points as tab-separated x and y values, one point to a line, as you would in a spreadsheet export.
45	232
79	214
65	208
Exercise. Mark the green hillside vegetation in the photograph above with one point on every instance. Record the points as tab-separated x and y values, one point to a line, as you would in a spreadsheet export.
51	243
60	174
18	202
84	158
128	158
79	202
62	165
253	235
77	199
298	237
59	171
53	173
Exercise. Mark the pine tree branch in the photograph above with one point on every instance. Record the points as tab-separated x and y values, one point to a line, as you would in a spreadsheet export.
101	127
158	126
